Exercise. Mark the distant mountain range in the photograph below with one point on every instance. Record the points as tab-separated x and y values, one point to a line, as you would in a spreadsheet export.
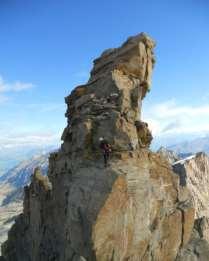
191	147
19	176
10	157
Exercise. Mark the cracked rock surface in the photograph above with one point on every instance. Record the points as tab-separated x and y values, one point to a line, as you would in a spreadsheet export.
134	209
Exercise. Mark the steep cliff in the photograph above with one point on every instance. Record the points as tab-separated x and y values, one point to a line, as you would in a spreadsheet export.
133	209
194	173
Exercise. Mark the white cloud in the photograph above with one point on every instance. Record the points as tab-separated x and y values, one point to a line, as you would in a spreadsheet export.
16	86
170	119
29	139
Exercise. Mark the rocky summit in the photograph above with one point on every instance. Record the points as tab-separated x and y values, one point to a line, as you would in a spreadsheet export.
169	155
134	208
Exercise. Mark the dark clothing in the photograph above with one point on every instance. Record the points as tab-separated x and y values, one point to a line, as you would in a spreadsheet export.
106	157
104	145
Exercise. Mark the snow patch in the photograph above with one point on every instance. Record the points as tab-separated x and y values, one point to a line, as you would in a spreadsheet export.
182	161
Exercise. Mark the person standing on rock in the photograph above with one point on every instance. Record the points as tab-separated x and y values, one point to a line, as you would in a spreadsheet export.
106	148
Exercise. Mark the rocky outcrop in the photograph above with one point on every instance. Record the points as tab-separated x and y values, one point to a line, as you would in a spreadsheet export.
194	173
169	155
133	209
197	248
12	190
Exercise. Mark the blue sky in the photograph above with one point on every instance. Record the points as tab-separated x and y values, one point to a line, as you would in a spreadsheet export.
47	48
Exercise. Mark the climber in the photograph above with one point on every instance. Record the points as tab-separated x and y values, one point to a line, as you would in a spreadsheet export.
106	148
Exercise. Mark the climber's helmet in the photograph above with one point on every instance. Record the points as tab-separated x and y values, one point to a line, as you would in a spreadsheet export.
101	139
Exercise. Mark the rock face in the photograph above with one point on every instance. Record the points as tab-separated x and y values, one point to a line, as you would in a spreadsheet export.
197	248
12	190
134	209
194	173
169	155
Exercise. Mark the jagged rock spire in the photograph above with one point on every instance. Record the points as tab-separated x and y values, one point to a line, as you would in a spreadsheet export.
132	210
110	103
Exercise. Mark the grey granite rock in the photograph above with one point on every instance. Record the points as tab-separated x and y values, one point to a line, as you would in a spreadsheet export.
132	209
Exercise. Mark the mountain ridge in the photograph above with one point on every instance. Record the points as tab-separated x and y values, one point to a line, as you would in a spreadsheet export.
129	208
193	146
